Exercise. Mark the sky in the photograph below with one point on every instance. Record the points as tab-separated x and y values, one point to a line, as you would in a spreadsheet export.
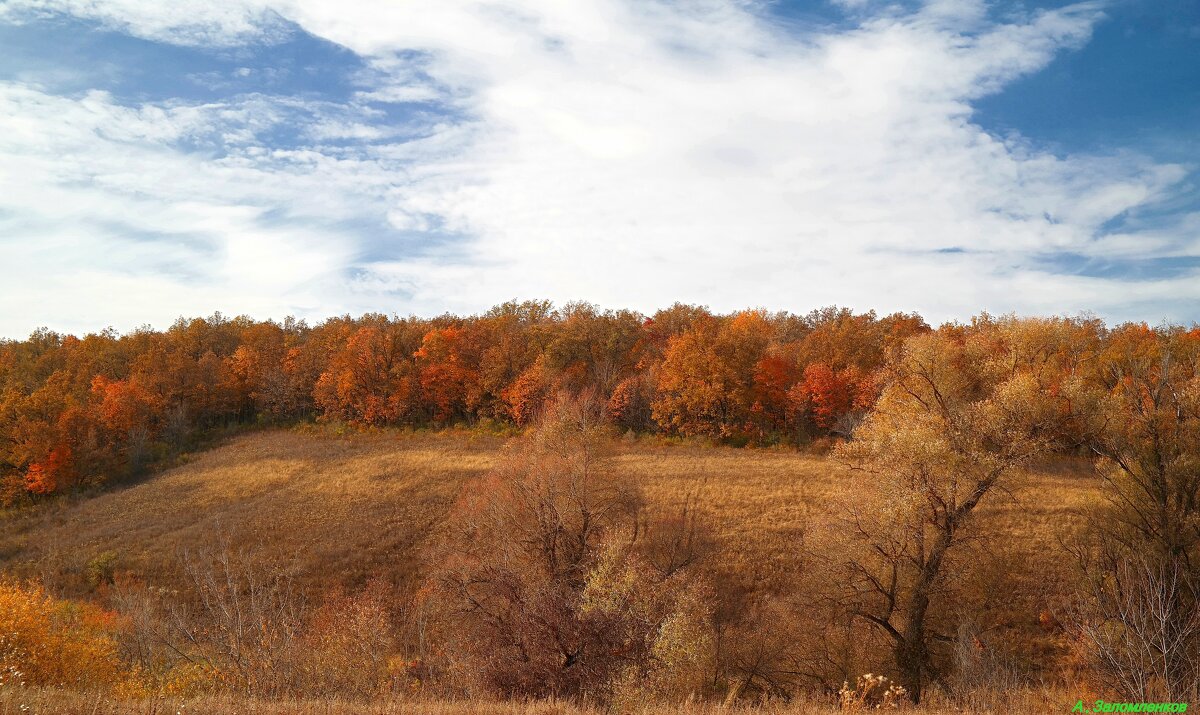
321	157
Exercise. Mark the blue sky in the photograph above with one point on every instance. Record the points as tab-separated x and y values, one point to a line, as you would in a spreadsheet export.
311	157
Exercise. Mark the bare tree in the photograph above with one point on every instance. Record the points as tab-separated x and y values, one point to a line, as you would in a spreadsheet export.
244	619
1135	632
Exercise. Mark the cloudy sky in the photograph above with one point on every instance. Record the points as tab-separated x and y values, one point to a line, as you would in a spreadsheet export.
318	157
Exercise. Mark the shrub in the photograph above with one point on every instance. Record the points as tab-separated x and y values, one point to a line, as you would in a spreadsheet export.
101	568
872	692
45	641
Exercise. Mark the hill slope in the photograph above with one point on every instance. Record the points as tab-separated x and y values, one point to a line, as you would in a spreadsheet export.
343	509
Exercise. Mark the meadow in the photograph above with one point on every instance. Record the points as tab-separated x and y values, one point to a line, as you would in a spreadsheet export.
57	702
339	508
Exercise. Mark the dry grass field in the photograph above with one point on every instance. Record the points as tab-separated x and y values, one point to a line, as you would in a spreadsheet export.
344	508
56	702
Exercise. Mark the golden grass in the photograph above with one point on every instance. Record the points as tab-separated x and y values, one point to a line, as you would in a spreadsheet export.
58	702
343	509
346	508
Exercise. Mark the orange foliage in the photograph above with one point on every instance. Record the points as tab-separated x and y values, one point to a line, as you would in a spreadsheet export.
45	477
774	376
45	641
631	403
123	405
446	379
706	381
829	396
370	379
525	396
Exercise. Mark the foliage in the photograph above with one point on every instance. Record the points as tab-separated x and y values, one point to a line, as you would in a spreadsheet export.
85	411
48	641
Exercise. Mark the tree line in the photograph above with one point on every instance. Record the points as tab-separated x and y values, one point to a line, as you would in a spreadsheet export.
87	410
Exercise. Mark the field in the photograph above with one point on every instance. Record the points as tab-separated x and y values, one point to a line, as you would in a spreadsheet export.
344	508
347	508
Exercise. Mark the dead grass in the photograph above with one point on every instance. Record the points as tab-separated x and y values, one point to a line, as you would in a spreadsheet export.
758	503
343	509
58	702
346	508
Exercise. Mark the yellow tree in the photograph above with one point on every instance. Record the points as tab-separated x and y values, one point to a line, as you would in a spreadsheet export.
1140	414
949	428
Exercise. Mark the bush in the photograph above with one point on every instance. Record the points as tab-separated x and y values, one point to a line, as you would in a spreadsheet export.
101	568
872	692
45	641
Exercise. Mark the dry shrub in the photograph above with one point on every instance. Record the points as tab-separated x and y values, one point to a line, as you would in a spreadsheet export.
237	626
246	620
349	643
48	641
872	692
760	654
1139	628
979	668
663	626
821	446
244	626
543	591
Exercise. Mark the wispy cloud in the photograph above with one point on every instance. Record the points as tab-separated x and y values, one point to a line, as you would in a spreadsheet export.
186	22
629	153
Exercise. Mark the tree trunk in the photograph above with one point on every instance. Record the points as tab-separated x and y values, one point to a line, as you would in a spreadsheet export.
910	657
911	650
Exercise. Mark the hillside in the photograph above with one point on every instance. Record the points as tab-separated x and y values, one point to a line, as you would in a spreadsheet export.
342	509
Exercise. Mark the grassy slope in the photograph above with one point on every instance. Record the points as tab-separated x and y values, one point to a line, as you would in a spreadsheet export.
343	508
349	507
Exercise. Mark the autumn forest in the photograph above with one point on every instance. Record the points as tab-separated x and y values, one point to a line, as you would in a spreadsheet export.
546	507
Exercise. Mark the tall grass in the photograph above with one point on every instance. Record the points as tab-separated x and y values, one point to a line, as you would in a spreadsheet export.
60	702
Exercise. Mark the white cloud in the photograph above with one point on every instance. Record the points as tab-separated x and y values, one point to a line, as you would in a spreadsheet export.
201	23
102	221
629	153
